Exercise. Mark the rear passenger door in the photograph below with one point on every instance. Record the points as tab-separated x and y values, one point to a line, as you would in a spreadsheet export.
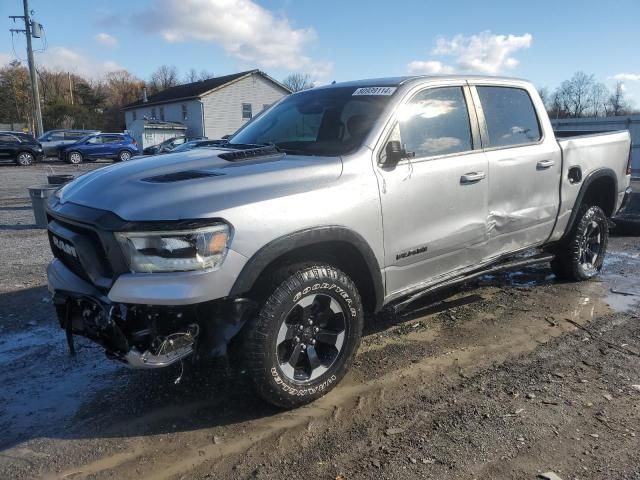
524	167
434	205
112	145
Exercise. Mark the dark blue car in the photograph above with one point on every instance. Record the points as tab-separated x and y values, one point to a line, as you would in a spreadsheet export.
118	146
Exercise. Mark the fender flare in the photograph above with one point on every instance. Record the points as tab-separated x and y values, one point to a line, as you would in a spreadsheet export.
586	183
306	238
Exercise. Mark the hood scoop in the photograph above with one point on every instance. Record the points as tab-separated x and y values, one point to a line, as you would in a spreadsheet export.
181	176
252	152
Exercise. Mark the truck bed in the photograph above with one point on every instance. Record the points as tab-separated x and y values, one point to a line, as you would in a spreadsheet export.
590	152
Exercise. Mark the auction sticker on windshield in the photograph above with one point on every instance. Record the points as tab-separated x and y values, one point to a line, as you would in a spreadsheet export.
375	91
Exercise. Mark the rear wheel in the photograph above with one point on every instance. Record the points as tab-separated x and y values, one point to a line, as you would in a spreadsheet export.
124	155
74	157
25	159
304	339
582	253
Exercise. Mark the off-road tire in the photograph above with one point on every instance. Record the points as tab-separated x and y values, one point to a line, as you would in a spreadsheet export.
75	158
284	291
569	263
24	159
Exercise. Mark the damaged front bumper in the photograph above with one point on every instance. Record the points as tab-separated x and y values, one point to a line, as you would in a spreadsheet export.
144	336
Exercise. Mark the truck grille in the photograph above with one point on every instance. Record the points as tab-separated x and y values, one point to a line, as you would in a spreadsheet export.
67	255
81	250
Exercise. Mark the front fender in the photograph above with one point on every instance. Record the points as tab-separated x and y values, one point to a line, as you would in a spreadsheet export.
308	238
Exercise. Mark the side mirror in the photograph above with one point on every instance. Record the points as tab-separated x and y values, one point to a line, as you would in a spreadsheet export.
394	152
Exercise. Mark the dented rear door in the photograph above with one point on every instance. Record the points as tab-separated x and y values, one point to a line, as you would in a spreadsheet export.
525	166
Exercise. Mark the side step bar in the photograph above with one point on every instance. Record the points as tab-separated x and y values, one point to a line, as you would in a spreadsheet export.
506	265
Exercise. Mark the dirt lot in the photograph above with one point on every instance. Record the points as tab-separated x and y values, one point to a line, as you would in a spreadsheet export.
507	377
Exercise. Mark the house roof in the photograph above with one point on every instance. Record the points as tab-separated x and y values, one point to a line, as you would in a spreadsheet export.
197	89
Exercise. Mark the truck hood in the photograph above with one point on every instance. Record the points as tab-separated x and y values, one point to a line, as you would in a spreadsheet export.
196	184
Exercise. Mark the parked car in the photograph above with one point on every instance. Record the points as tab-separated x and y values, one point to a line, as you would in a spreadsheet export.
117	146
53	139
21	148
337	201
169	144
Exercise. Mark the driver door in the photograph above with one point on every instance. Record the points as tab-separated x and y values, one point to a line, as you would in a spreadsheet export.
434	205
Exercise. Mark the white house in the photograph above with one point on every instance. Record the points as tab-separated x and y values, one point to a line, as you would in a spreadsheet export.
210	108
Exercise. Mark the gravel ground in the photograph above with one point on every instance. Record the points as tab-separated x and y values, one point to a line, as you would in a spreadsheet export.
507	377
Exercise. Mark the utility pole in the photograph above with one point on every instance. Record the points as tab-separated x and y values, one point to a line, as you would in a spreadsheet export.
35	94
70	87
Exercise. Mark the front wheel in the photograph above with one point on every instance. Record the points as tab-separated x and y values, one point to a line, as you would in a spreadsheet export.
581	255
305	337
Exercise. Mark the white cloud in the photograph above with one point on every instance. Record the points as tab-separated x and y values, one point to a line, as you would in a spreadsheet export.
106	40
627	77
244	29
430	67
484	53
61	58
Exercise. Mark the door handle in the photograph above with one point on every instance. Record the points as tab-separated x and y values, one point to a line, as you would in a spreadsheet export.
472	177
544	164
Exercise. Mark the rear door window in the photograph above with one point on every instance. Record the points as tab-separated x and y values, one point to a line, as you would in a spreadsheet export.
436	122
510	116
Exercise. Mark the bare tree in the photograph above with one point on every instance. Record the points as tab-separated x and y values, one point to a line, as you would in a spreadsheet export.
545	96
194	76
617	103
598	99
298	81
15	95
165	76
573	96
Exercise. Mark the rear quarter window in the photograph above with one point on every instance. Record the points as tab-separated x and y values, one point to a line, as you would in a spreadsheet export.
510	116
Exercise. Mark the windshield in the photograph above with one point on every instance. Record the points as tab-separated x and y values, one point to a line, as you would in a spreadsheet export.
325	122
51	136
84	139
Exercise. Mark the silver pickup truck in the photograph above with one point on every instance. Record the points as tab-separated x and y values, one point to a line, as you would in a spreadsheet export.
337	201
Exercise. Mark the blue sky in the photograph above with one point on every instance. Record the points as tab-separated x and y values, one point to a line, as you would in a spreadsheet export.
544	41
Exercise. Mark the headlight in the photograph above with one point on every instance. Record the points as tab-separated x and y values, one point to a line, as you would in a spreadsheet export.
175	251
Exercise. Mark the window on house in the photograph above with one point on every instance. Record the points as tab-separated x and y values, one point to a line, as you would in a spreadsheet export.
246	111
153	113
162	113
134	115
184	111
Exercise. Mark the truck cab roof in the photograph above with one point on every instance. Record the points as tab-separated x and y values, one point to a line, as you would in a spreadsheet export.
404	80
